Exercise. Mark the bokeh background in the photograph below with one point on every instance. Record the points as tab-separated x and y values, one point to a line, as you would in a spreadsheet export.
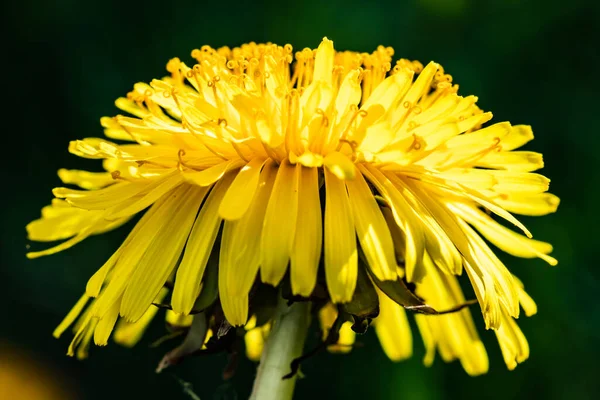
65	62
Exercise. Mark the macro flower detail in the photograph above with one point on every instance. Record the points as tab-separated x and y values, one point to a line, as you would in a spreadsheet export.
339	178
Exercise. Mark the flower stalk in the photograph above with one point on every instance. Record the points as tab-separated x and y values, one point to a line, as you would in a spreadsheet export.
284	344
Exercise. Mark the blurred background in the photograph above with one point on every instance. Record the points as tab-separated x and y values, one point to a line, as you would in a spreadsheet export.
66	61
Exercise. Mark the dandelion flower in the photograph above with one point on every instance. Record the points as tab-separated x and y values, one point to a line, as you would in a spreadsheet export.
340	178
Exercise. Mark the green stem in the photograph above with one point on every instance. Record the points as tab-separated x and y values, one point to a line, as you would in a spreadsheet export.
284	344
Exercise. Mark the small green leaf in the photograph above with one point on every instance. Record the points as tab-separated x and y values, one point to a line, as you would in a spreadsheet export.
364	303
401	294
210	283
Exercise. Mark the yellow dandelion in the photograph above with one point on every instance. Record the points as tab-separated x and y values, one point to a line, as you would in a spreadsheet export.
363	186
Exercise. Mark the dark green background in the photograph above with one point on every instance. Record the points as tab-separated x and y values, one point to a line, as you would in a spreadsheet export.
529	62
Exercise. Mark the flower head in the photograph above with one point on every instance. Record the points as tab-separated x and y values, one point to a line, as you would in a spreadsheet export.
341	178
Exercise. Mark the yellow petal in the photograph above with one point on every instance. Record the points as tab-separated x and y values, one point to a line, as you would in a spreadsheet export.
155	191
348	94
519	182
235	307
416	91
93	148
241	192
518	136
390	90
275	81
71	316
105	326
113	130
453	334
307	159
162	156
176	321
436	226
83	234
502	237
371	229
198	249
159	216
501	289
245	239
95	283
341	257
339	165
367	118
438	111
279	225
473	121
483	286
382	100
255	342
317	96
160	258
481	138
100	199
327	315
323	70
212	174
468	148
306	251
346	340
268	134
131	107
526	301
439	136
377	137
529	204
81	342
85	179
471	177
60	225
62	221
522	161
128	334
404	216
485	202
475	360
423	323
422	83
393	330
514	345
